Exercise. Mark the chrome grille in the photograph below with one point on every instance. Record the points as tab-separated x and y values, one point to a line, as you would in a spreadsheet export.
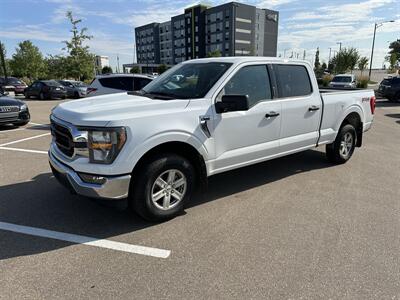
63	138
9	109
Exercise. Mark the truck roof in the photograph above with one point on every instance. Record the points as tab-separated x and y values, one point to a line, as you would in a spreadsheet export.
242	59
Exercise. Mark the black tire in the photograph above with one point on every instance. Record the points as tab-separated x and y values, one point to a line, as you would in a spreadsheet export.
144	186
334	151
27	96
42	96
76	95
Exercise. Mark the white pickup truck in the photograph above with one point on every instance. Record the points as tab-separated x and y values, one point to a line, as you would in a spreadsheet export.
200	118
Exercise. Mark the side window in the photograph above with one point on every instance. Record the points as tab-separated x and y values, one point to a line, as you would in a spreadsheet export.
119	83
252	81
293	80
140	83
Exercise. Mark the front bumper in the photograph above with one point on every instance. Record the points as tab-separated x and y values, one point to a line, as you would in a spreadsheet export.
115	187
21	118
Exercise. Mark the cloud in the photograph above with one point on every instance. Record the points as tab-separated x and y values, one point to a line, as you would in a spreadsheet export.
273	3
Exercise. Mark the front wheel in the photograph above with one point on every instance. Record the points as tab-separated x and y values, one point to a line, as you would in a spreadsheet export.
161	188
341	150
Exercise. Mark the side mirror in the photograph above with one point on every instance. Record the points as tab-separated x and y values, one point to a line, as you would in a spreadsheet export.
232	103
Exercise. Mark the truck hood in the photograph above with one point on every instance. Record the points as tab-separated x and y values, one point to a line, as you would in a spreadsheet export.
102	110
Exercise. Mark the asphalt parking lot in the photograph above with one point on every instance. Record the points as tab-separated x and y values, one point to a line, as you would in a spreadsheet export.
291	228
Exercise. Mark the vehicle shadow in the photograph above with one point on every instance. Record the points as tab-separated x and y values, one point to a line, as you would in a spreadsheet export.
44	203
5	128
387	104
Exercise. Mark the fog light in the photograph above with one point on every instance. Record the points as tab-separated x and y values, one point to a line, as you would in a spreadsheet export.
94	179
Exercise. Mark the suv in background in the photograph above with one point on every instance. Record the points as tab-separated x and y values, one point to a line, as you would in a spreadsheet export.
390	88
18	85
117	83
75	89
343	81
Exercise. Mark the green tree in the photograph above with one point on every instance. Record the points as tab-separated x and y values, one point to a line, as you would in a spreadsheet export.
27	61
345	60
395	48
392	59
135	70
80	62
106	70
362	64
317	64
215	53
324	66
162	68
56	67
4	66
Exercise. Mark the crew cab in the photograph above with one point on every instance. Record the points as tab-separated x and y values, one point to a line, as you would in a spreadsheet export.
200	118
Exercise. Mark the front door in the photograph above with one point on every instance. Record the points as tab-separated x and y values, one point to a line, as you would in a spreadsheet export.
244	137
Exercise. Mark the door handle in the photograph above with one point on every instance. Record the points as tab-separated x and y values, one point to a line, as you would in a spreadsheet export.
271	114
313	108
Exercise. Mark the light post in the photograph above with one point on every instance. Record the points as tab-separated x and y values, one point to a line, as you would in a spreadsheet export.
376	25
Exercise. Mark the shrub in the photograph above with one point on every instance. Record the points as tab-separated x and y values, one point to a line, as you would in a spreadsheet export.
362	82
326	79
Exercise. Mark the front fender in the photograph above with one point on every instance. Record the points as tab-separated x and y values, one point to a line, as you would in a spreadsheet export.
165	137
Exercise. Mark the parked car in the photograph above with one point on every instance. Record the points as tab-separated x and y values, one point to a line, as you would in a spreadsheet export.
343	81
117	83
75	89
202	117
13	111
45	89
390	88
17	84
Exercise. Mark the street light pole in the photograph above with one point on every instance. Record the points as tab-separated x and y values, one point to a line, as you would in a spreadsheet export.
376	25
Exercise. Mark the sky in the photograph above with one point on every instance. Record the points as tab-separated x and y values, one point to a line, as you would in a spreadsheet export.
303	25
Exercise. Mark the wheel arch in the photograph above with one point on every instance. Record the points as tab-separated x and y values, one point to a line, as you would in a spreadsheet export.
177	147
354	118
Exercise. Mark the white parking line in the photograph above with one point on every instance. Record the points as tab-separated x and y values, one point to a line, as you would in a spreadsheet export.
23	150
85	240
25	139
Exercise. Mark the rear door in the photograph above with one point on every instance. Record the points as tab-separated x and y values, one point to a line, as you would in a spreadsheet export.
301	107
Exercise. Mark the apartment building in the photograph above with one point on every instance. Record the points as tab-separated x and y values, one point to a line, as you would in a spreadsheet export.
232	29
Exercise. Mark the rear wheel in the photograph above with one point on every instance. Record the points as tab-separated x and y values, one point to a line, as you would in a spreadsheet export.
41	96
341	150
27	96
161	188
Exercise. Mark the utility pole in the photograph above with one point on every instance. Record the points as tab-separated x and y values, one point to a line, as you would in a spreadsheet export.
118	62
376	25
330	52
304	55
338	55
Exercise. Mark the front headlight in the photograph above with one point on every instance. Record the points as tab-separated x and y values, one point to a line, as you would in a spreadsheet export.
23	107
105	144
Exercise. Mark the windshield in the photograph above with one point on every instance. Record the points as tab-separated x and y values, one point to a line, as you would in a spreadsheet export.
342	79
79	83
190	80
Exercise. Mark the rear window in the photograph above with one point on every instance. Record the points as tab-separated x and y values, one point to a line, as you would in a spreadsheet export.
141	83
119	83
51	83
293	81
341	79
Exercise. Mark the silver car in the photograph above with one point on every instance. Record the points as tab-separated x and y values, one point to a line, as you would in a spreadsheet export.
75	89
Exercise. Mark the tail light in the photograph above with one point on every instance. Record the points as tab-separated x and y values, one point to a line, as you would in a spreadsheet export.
372	104
90	90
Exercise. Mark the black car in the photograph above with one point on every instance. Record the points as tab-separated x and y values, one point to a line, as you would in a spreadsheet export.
390	88
13	111
46	89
